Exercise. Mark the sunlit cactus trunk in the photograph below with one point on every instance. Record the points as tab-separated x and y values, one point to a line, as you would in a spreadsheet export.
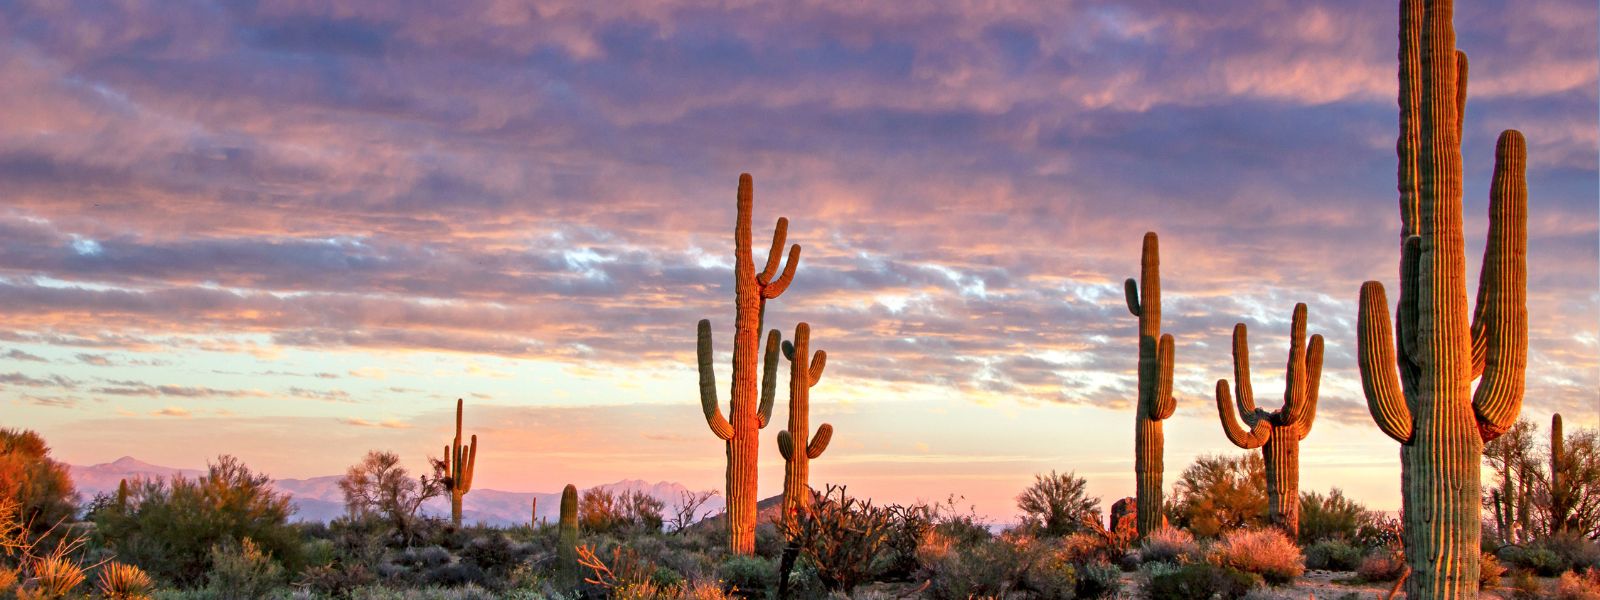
459	462
1418	376
1276	433
796	444
1155	387
741	428
567	534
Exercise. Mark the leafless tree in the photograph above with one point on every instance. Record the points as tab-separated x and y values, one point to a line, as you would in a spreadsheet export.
378	486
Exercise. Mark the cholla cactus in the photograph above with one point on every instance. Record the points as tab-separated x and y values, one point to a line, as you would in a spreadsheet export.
796	443
459	461
1155	386
1277	433
741	428
1419	385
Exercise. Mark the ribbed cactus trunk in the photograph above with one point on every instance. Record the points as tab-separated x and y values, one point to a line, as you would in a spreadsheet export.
460	461
796	444
1418	383
1562	496
1155	387
740	430
567	534
1276	433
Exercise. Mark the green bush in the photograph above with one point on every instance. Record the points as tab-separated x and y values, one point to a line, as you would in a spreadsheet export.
751	575
1098	580
1330	517
1199	581
988	568
1536	558
1333	555
1057	504
169	527
241	570
1218	494
1051	576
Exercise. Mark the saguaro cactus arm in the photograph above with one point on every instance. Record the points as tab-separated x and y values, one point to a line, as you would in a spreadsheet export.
785	444
708	384
1313	383
1260	431
1244	391
1500	325
770	288
470	466
819	440
1164	404
1375	358
1130	288
1294	391
769	379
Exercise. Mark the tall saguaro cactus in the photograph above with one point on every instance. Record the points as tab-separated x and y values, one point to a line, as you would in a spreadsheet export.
567	534
796	444
1155	386
1277	433
1419	385
459	461
1562	495
740	429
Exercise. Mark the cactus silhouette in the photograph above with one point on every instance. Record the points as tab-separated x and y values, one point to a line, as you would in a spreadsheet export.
1277	433
533	510
1419	385
1562	495
1155	386
741	428
567	537
458	464
796	444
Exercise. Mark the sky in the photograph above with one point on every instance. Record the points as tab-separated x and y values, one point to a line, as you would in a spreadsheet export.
295	233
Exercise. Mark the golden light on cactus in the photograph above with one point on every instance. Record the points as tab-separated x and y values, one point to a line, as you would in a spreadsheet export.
795	443
1155	386
1419	385
1277	433
459	463
741	428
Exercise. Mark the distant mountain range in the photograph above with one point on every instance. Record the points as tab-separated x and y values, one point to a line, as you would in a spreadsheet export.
319	498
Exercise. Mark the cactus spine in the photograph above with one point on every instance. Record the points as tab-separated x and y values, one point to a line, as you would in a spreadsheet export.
1277	433
740	430
459	461
567	537
1419	385
795	443
1155	386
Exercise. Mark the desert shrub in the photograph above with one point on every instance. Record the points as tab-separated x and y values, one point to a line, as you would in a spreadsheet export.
1218	494
908	526
603	511
841	536
1170	545
1330	517
1333	555
751	575
379	487
1573	586
169	527
1265	552
119	581
335	581
1539	559
242	570
40	485
989	568
1489	572
455	575
1524	586
492	552
1050	576
769	540
1382	565
1379	531
1573	551
1199	580
1098	580
54	577
1057	504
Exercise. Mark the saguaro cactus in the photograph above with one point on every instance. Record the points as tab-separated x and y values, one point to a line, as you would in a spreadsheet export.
1562	496
741	428
1419	385
1277	433
795	443
1155	386
567	536
459	461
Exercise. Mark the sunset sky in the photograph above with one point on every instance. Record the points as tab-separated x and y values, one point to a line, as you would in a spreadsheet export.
294	234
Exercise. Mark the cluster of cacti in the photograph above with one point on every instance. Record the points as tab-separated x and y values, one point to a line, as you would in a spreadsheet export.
1155	386
458	465
741	428
795	443
1512	504
1419	384
1277	433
